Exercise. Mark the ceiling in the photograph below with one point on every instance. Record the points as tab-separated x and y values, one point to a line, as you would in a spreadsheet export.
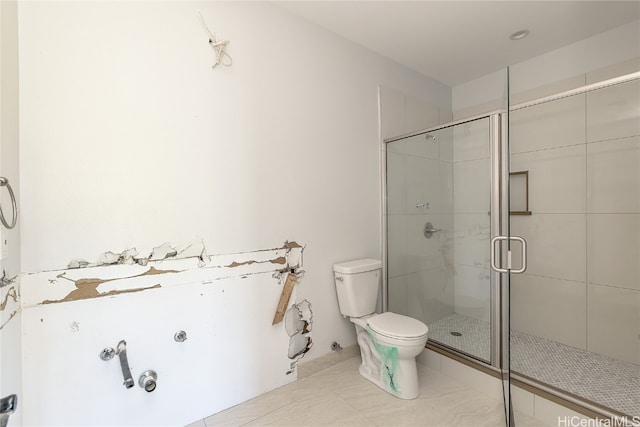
458	41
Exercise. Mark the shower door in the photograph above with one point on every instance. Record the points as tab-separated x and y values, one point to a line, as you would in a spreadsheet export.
575	313
439	226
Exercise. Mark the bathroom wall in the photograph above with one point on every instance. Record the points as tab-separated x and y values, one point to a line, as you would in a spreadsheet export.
224	304
129	138
418	179
10	317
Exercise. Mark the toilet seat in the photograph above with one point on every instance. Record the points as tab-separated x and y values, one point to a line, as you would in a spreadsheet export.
397	326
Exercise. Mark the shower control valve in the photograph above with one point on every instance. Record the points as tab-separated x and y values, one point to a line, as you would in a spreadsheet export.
180	336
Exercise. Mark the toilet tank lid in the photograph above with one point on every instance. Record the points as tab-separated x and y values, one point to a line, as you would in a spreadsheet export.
357	266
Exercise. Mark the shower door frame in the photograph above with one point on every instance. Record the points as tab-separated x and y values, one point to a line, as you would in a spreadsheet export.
498	364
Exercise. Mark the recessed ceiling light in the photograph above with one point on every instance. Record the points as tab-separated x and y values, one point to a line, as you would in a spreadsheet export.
519	35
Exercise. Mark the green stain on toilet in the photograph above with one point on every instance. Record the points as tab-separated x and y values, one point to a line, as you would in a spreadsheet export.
388	357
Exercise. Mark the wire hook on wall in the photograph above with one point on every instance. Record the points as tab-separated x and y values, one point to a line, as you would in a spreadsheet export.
219	46
4	182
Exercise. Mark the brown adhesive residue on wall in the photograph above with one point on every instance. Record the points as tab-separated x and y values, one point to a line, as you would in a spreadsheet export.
11	316
10	293
280	260
291	245
235	264
88	288
153	270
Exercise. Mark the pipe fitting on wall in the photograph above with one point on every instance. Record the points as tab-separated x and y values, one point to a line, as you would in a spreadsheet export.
148	380
180	336
124	363
107	353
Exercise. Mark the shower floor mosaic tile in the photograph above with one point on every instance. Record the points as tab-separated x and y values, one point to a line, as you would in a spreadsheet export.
475	338
601	379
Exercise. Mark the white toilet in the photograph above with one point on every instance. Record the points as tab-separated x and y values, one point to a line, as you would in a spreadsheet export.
389	342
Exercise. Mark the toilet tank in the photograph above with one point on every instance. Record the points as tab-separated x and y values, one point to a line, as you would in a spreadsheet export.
357	284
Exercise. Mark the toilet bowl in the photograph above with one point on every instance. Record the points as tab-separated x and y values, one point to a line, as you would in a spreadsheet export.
389	342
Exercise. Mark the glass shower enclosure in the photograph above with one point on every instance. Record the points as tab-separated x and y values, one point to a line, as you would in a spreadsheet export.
562	170
439	228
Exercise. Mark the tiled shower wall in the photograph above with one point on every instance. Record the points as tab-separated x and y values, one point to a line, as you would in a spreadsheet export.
582	285
419	174
471	200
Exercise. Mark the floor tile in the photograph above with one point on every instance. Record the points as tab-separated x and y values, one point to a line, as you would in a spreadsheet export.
339	396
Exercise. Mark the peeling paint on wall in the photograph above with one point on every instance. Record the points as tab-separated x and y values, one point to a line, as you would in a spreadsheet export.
125	272
9	297
58	312
11	293
279	260
88	288
4	281
11	316
292	256
298	321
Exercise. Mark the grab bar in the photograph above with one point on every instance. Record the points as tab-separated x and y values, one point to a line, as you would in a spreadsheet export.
4	182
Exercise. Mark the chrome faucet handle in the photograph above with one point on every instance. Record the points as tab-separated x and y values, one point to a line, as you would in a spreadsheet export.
429	230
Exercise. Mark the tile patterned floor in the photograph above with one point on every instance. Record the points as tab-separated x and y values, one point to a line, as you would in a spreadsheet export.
475	339
610	382
339	396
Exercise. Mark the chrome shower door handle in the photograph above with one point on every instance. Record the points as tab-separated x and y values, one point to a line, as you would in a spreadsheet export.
523	266
495	267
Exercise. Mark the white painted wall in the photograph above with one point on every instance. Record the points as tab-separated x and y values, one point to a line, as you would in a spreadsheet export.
130	138
10	354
